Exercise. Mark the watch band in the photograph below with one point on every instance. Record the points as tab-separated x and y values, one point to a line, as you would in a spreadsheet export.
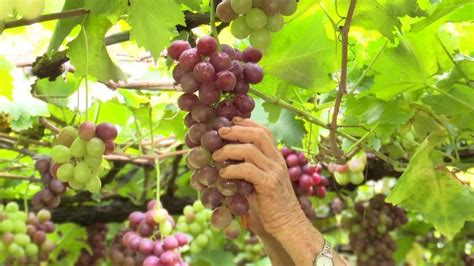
324	254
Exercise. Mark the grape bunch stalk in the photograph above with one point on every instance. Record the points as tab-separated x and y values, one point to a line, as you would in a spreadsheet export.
50	195
256	19
23	236
148	240
78	154
370	228
307	179
221	78
96	237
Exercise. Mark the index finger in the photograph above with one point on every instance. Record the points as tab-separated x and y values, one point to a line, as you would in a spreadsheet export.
239	121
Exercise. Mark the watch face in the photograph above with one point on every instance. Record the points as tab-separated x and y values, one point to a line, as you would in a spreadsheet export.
324	261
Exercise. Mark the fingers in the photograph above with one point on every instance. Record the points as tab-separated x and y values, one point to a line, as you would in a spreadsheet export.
254	135
246	152
246	171
250	123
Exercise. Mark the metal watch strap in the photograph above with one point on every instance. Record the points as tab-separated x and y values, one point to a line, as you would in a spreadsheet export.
326	252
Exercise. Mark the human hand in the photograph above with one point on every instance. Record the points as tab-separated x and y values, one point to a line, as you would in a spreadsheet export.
263	165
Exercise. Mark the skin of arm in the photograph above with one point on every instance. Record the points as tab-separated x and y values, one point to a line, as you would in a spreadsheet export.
287	235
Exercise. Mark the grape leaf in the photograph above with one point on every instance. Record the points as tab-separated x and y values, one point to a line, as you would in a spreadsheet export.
431	189
443	9
192	4
64	26
58	90
154	23
111	8
6	82
288	129
301	53
88	52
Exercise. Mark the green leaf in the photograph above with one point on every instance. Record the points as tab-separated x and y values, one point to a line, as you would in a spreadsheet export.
88	52
111	8
58	90
301	53
6	79
432	190
154	23
288	129
64	26
192	4
442	9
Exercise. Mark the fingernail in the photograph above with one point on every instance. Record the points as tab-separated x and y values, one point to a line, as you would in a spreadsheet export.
237	119
224	130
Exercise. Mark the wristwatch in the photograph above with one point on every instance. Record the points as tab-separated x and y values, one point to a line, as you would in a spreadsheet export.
325	257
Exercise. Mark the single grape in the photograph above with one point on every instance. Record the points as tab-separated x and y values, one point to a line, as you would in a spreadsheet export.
356	165
239	28
225	12
65	172
94	184
178	73
256	19
241	87
189	58
241	6
305	182
42	164
211	198
188	120
211	141
233	230
356	178
206	45
275	23
225	81
189	83
244	187
67	136
170	243
106	131
251	54
78	148
342	178
272	7
204	72
146	246
177	48
198	158
109	147
60	154
221	61
57	186
237	69
209	94
244	103
82	172
151	261
221	217
238	204
95	147
260	39
289	8
292	160
253	73
196	131
202	113
227	187
227	49
186	101
226	109
208	175
219	122
86	130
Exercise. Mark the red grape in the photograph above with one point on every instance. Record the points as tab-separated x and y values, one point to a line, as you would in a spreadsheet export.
189	58
206	45
176	48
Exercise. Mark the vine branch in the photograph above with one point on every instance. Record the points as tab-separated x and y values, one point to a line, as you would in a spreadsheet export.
19	177
342	83
53	16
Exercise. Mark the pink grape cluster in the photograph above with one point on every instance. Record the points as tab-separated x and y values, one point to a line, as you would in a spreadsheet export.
307	179
50	195
148	240
79	152
221	79
96	237
23	236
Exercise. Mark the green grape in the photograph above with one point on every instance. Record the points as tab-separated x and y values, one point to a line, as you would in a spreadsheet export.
19	227
94	184
22	239
20	252
60	154
13	248
195	228
208	233
181	219
198	207
201	217
65	172
289	8
275	23
260	39
6	8
256	19
6	226
241	6
356	178
30	9
95	147
44	216
161	215
75	185
78	148
93	162
239	28
342	178
202	240
12	207
82	172
22	216
166	228
67	136
182	227
97	170
188	212
195	248
31	250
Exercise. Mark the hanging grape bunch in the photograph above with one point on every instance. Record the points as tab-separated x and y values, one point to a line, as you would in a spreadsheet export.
96	236
255	18
370	228
50	195
148	240
222	80
251	250
307	179
78	154
23	236
350	172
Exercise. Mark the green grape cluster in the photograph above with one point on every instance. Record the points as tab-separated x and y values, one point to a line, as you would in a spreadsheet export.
28	9
350	172
78	154
256	19
23	236
250	249
195	223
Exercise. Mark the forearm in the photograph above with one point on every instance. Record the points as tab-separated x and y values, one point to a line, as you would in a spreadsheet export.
303	242
275	251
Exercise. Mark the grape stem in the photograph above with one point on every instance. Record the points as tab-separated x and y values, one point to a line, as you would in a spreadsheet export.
337	152
212	18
